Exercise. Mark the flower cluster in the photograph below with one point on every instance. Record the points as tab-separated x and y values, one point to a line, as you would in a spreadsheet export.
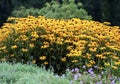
61	43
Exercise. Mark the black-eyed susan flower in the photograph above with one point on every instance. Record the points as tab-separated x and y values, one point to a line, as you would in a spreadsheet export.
24	50
42	57
114	67
46	63
74	61
63	59
31	45
33	61
14	47
107	64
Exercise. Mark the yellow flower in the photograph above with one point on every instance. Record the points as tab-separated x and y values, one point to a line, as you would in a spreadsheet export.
115	57
44	46
92	62
100	68
2	48
34	34
114	67
12	55
107	64
107	23
88	56
5	51
14	47
33	39
46	63
102	48
100	56
24	50
23	37
117	63
33	61
74	61
31	45
63	59
89	65
92	44
42	57
93	49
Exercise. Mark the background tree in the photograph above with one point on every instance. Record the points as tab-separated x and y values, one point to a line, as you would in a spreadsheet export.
5	10
55	9
103	10
111	11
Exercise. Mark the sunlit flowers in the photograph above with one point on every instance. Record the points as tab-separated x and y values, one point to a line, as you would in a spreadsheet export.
63	59
24	50
72	41
14	47
46	63
42	57
31	45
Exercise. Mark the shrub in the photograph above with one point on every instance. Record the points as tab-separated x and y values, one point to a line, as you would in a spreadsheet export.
24	12
55	10
27	74
68	9
61	44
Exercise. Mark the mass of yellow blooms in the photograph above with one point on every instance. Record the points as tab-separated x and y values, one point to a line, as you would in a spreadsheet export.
88	42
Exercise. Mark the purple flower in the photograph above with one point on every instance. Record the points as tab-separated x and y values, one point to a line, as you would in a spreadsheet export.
100	82
90	70
84	67
81	82
99	76
92	74
112	82
76	76
75	70
111	78
96	66
119	79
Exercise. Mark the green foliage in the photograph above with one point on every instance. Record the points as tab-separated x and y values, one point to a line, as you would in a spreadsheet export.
24	12
65	10
27	74
56	10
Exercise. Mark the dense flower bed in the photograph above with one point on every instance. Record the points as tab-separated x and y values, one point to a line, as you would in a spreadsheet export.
61	43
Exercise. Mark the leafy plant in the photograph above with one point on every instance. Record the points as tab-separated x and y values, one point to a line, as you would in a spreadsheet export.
23	74
66	10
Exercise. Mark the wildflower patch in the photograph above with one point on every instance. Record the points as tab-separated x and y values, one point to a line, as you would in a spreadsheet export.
61	43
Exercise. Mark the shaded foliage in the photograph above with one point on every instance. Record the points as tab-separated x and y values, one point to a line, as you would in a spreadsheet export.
5	10
103	10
